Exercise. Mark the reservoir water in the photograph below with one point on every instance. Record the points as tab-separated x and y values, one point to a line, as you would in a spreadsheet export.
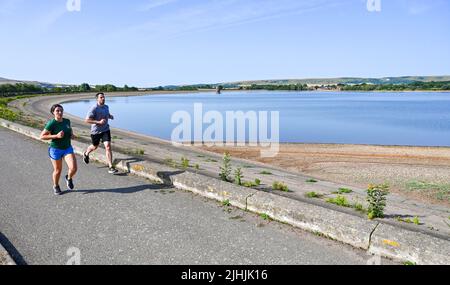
410	118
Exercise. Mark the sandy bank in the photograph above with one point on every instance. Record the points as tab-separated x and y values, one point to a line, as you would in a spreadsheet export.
420	172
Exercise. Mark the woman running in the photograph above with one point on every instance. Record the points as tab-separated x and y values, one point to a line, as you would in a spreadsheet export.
59	131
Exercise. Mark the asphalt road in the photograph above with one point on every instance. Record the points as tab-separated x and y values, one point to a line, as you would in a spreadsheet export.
128	220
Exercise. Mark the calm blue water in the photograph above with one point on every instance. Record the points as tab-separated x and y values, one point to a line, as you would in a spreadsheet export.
421	119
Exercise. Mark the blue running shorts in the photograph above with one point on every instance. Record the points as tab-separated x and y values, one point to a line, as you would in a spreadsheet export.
57	154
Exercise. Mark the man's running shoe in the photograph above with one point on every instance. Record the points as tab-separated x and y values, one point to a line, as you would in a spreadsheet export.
112	170
86	158
57	190
69	183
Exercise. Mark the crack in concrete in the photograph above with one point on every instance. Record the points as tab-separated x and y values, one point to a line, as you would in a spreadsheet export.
246	200
371	234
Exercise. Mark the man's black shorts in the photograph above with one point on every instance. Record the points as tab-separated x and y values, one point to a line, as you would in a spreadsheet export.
103	137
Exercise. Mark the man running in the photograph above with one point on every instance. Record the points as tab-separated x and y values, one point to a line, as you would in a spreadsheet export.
98	117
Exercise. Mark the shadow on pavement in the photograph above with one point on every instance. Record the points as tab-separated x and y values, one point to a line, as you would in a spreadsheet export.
126	190
13	252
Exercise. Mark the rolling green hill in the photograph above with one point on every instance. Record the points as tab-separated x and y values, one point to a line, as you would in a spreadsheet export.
36	83
342	80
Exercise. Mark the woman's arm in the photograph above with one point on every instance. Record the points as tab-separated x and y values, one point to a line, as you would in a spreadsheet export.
46	135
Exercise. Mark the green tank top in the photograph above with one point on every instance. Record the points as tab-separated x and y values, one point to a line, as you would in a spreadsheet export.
54	127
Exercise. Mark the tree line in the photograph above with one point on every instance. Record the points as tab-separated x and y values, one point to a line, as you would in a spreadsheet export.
7	90
273	87
183	88
422	86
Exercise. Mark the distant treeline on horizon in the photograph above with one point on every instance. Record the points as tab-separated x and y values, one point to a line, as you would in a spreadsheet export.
9	90
413	86
421	86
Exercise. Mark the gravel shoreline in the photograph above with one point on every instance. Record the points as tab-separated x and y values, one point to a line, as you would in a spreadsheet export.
421	173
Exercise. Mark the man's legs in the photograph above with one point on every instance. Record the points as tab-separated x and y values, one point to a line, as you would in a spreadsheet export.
106	138
90	149
109	153
95	143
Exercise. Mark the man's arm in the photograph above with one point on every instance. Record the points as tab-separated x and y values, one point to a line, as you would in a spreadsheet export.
110	116
91	121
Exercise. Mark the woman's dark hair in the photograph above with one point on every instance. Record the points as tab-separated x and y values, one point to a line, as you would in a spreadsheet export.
52	110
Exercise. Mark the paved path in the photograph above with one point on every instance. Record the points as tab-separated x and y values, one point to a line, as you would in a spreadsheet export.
127	220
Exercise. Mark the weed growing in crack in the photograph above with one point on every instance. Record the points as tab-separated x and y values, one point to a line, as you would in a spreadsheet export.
340	201
238	176
313	195
225	169
280	186
376	197
184	163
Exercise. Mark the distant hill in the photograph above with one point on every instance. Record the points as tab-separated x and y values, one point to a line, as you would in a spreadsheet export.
342	80
37	83
310	81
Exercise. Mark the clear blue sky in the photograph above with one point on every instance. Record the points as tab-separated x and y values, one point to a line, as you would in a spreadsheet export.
160	42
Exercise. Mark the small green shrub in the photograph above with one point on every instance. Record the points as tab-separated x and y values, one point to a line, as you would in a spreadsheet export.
344	191
311	181
280	186
8	115
251	184
185	163
407	220
238	176
376	197
313	195
170	162
340	201
225	169
359	207
265	172
409	263
265	217
226	203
